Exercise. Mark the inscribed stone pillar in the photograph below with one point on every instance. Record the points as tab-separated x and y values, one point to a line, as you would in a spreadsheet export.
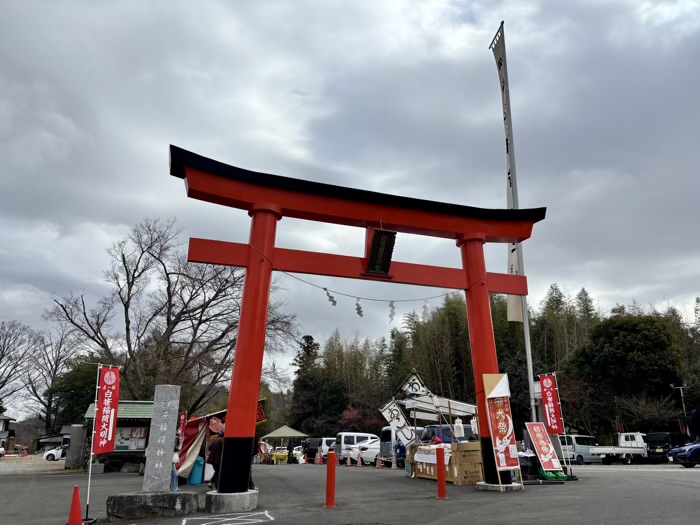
161	439
76	452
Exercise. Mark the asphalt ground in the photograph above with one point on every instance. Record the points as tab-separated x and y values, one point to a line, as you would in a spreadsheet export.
295	495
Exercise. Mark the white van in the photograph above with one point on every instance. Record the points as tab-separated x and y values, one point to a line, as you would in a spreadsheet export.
389	445
346	439
326	444
576	447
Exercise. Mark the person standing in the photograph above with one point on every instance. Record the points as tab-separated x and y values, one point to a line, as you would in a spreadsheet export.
174	483
214	460
290	453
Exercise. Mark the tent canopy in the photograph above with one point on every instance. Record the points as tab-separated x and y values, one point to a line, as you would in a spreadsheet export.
285	432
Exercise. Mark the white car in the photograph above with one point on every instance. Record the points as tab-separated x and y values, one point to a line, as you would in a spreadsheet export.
55	454
367	450
2	452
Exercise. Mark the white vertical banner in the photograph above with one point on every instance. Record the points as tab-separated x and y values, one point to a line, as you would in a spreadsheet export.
498	46
396	419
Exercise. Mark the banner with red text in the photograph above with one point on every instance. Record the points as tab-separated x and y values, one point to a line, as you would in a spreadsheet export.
550	404
500	419
543	446
107	407
501	426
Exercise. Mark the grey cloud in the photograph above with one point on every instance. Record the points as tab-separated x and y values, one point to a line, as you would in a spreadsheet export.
395	97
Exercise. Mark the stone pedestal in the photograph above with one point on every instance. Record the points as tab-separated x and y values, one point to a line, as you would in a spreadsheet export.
144	505
235	502
482	485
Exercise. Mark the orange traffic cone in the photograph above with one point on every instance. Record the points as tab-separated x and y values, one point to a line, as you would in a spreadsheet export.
76	514
359	460
379	461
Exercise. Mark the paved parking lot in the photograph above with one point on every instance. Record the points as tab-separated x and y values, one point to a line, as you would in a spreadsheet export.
295	495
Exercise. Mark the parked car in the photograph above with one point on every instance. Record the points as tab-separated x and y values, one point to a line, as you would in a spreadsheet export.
660	443
2	451
688	455
55	454
366	450
326	444
312	446
344	440
443	433
391	446
576	448
631	446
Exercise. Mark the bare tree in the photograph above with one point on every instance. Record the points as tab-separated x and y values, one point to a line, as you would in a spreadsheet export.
180	320
18	345
54	350
642	411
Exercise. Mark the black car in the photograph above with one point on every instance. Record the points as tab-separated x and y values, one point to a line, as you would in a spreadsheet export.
311	446
659	443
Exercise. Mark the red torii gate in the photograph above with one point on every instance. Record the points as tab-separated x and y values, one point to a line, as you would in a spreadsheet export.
268	198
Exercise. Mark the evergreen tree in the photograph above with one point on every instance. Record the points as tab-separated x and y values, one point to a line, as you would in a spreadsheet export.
304	411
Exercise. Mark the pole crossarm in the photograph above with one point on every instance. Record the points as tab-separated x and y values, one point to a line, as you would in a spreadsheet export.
213	181
315	263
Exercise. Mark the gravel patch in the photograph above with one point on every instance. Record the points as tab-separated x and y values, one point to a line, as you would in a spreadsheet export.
30	465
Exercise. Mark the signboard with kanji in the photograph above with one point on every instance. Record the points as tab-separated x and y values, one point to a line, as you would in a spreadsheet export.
543	446
500	419
502	433
106	414
550	401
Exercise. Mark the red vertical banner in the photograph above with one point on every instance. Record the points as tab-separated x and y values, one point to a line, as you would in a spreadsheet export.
543	446
107	407
502	433
552	409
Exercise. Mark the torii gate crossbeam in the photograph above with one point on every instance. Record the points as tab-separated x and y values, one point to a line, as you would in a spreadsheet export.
268	198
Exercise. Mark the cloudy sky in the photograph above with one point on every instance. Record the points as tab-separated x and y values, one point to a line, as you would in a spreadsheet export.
393	96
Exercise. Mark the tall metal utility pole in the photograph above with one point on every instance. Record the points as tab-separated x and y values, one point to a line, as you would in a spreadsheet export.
517	306
685	416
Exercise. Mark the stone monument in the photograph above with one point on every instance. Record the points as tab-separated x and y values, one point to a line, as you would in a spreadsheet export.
157	498
76	450
161	439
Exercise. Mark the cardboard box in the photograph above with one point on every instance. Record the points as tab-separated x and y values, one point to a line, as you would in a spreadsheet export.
467	473
429	471
466	453
471	445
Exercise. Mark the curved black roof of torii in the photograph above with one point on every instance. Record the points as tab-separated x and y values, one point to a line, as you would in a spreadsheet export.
181	159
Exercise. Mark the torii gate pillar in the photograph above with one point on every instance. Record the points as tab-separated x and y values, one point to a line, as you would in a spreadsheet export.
483	344
239	444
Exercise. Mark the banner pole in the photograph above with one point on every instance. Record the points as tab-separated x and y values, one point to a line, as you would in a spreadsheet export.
92	444
522	481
